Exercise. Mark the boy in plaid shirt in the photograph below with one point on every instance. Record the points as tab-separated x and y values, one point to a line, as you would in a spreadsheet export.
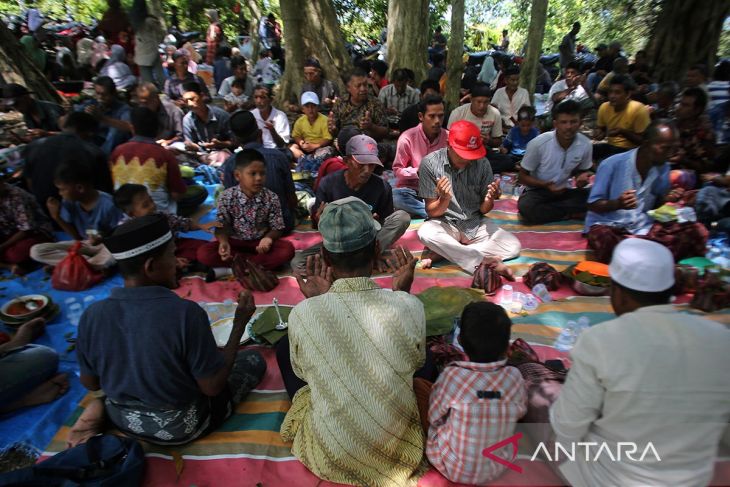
477	403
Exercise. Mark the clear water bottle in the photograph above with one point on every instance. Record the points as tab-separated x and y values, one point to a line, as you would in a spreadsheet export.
583	324
541	291
507	295
457	331
567	337
74	310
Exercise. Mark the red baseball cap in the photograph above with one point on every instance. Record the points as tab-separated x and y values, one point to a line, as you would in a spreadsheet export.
466	140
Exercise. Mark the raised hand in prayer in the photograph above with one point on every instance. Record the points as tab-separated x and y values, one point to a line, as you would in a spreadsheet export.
245	309
443	187
582	179
627	200
493	191
365	122
331	123
54	207
319	277
403	266
224	250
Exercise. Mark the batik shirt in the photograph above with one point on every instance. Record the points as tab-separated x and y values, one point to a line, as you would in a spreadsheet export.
697	144
20	212
250	218
346	114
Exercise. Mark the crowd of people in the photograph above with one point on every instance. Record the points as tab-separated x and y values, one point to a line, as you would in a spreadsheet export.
114	172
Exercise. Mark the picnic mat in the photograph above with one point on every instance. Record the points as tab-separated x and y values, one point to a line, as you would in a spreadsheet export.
248	449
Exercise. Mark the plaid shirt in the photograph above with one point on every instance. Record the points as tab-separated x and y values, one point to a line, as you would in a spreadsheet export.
390	98
249	218
20	212
462	424
697	144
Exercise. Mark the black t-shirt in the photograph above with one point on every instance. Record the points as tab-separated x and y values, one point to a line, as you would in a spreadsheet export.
376	193
149	345
43	156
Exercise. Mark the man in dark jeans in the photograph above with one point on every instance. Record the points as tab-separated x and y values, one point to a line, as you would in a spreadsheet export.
550	160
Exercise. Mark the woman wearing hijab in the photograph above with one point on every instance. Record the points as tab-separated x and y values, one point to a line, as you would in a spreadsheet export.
213	37
118	70
488	72
34	52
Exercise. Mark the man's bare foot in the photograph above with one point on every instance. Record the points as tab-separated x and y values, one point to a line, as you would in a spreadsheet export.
429	257
50	390
28	332
90	423
499	266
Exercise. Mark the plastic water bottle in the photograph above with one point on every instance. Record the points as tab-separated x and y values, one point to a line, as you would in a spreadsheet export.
542	292
74	310
506	295
457	331
583	324
567	337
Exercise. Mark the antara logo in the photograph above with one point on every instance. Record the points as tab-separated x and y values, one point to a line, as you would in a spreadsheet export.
592	452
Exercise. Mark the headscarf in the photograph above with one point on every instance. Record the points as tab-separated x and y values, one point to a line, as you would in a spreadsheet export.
84	50
488	71
118	70
35	53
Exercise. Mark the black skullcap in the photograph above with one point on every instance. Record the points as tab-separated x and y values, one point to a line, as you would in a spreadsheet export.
243	124
139	236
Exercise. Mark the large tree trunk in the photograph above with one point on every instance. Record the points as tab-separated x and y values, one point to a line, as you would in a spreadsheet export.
16	67
538	17
311	30
291	81
455	65
155	8
323	39
686	32
408	36
254	8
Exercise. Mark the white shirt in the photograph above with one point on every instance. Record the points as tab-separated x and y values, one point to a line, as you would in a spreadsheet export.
281	125
545	158
490	125
578	94
654	375
509	108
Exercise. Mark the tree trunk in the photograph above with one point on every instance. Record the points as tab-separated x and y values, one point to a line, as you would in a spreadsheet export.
16	67
408	36
323	39
455	65
538	18
256	13
155	8
686	32
311	30
291	81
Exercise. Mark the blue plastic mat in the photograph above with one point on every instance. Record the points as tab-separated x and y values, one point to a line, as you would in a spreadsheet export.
33	428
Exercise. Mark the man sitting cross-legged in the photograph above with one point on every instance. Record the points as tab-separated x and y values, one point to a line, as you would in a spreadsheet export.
359	181
550	159
153	353
458	187
350	358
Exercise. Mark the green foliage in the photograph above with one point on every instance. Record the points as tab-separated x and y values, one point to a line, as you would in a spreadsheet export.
627	21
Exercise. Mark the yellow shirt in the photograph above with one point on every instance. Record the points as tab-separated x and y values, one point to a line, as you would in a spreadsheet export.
635	117
311	133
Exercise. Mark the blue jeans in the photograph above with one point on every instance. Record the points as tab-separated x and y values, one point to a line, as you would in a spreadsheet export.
407	199
23	369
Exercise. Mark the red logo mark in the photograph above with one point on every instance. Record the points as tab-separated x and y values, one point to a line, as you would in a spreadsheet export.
487	452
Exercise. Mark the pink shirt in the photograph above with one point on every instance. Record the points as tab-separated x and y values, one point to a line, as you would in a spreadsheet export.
413	145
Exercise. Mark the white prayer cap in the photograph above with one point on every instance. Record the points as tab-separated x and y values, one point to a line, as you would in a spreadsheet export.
642	265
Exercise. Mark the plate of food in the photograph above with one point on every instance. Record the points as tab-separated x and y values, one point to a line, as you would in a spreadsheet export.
25	307
222	331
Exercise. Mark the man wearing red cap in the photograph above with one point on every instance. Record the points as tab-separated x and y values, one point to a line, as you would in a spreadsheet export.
458	187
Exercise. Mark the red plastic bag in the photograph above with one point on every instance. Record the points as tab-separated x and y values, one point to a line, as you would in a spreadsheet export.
74	273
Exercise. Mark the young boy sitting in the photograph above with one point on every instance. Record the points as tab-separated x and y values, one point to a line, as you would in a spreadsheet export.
250	220
236	99
153	353
84	212
313	141
135	201
22	225
475	404
516	141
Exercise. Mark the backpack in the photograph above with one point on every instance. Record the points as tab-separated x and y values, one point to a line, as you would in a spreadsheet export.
103	461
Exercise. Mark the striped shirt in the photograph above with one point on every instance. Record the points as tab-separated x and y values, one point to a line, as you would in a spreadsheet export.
463	424
719	92
469	188
356	421
390	98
